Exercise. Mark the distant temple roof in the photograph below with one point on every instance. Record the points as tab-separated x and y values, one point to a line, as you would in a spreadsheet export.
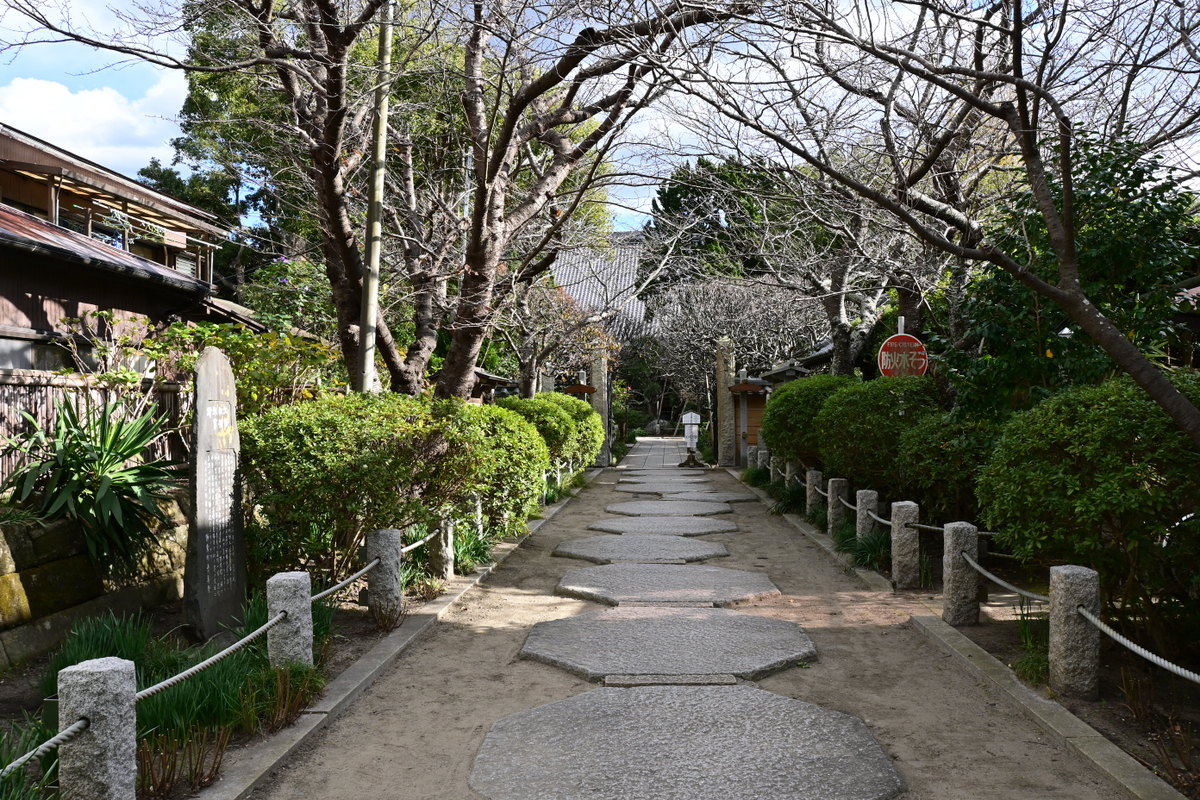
600	278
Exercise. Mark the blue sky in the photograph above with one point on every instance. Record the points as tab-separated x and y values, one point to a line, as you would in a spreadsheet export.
119	116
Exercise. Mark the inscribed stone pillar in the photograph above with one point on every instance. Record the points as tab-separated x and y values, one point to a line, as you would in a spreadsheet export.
215	571
599	400
726	441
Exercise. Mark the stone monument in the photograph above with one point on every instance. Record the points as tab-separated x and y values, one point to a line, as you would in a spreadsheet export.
691	435
214	579
726	435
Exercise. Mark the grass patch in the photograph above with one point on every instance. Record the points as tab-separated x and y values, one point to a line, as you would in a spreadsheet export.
1033	666
756	476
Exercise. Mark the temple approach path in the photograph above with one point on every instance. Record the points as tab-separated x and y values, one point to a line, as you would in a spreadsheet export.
719	654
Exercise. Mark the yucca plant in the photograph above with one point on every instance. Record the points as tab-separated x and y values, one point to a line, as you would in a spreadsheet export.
91	467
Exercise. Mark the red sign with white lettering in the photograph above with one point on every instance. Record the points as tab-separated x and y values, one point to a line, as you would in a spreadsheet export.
901	355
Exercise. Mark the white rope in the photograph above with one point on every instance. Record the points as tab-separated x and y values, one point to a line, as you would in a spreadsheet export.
48	746
415	545
1041	598
1137	648
848	504
208	662
917	526
347	582
878	518
821	491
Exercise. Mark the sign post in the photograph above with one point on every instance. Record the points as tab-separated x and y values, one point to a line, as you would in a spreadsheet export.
902	355
691	435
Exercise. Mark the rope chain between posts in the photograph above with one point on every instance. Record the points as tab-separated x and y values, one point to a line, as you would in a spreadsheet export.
50	745
821	491
1041	598
339	586
1153	658
208	662
878	518
919	526
415	545
848	504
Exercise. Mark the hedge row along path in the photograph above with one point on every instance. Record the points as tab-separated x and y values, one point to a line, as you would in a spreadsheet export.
811	688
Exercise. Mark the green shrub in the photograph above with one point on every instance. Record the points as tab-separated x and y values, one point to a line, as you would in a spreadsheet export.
510	460
1099	476
756	476
319	475
92	468
859	428
555	425
589	428
943	455
788	427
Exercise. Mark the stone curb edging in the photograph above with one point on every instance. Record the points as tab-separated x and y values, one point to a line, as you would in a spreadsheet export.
246	769
1121	770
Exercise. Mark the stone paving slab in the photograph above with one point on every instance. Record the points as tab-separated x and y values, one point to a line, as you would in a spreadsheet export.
682	743
661	488
665	583
644	549
669	641
708	497
668	508
667	526
669	680
683	479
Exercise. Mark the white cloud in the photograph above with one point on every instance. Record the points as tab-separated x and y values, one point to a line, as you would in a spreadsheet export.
119	132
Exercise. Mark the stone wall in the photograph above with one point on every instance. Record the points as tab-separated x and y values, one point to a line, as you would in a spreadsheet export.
47	583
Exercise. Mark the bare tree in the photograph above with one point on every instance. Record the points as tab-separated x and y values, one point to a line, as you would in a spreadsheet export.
946	102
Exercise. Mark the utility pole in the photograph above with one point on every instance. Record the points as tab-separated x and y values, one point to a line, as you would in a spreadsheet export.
370	288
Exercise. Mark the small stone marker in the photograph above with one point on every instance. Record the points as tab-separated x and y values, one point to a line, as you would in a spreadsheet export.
214	584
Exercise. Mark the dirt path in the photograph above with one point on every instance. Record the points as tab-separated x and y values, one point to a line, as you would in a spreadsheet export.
415	733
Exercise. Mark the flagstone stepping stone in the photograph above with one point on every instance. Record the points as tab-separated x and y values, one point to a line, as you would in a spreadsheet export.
664	508
683	743
662	479
647	549
669	641
660	488
665	584
666	526
709	497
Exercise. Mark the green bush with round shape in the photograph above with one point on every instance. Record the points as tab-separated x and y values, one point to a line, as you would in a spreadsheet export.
555	425
787	423
589	428
318	475
859	428
942	456
511	461
1099	476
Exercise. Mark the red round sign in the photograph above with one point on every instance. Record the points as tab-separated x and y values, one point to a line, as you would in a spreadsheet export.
901	355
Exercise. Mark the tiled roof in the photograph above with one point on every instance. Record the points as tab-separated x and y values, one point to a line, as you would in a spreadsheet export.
22	231
601	278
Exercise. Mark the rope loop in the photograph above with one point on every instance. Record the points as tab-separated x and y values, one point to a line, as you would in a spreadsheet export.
1041	598
50	745
338	587
1136	648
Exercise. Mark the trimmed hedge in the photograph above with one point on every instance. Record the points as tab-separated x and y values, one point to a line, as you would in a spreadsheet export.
554	424
859	428
511	461
589	428
787	423
943	455
1100	476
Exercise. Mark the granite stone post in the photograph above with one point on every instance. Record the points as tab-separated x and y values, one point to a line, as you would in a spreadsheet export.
812	492
1074	642
790	470
764	458
441	551
291	641
480	520
385	595
215	570
865	500
101	764
960	581
835	512
726	430
599	401
906	545
751	456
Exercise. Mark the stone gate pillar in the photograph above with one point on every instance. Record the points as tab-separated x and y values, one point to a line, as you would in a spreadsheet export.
725	423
